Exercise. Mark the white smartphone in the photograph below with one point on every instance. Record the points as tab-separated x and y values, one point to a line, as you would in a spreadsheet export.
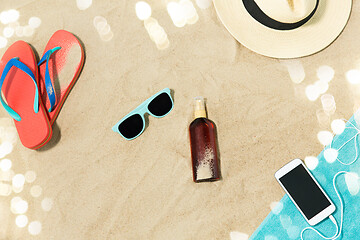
305	192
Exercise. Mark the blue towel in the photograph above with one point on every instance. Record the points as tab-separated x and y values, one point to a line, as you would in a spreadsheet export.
286	222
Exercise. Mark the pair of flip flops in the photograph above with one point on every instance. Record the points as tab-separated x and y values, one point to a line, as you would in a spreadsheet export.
34	92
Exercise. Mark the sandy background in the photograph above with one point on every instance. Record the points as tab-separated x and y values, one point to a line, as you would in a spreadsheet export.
103	187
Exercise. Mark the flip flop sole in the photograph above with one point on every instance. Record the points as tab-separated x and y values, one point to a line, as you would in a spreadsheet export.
18	89
65	66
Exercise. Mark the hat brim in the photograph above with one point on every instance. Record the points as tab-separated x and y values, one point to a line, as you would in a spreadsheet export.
319	32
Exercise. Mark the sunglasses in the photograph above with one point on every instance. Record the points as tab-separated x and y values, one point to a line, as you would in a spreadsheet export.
133	124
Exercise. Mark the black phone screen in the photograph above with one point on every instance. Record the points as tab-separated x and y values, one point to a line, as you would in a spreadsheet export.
304	191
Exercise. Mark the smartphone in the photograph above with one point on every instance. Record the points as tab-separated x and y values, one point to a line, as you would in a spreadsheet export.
305	192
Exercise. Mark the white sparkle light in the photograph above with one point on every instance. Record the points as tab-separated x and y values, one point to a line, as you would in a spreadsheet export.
7	176
353	76
83	4
9	16
338	126
311	162
13	15
203	4
328	103
143	10
5	164
34	22
276	207
47	204
312	93
321	86
325	73
190	12
30	176
238	236
99	20
28	31
5	189
295	69
19	206
34	228
177	15
35	191
21	221
330	155
325	137
18	180
17	189
352	182
19	31
8	32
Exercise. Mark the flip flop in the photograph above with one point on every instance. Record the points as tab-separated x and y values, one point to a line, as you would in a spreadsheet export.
19	85
59	68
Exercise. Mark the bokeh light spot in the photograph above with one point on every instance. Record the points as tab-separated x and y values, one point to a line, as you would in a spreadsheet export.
21	221
312	92
99	20
325	137
35	191
321	86
47	204
13	15
285	221
5	189
311	162
352	182
34	228
18	180
8	32
28	31
238	236
6	176
325	73
323	118
203	4
9	16
295	69
276	207
353	76
330	155
189	11
18	205
19	31
176	13
17	189
293	232
83	4
5	164
30	176
328	103
338	126
143	10
34	22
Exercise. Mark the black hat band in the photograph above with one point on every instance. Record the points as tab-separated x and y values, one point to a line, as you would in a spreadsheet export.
254	10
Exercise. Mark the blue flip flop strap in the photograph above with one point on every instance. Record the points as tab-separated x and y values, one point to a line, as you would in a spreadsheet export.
16	63
48	83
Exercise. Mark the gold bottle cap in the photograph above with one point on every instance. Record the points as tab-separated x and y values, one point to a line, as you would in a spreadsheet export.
199	108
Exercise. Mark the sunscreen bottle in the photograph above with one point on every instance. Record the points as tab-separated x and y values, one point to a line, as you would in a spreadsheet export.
204	153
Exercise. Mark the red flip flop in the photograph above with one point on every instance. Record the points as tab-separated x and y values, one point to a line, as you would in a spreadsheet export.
19	85
59	68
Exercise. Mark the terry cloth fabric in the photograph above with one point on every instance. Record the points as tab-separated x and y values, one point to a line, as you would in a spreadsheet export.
286	222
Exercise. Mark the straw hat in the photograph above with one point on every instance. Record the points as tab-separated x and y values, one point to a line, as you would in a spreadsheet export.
294	28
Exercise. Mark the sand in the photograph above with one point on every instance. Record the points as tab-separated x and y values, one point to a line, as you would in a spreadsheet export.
100	186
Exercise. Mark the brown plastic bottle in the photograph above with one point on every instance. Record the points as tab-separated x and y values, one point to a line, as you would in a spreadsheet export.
204	153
